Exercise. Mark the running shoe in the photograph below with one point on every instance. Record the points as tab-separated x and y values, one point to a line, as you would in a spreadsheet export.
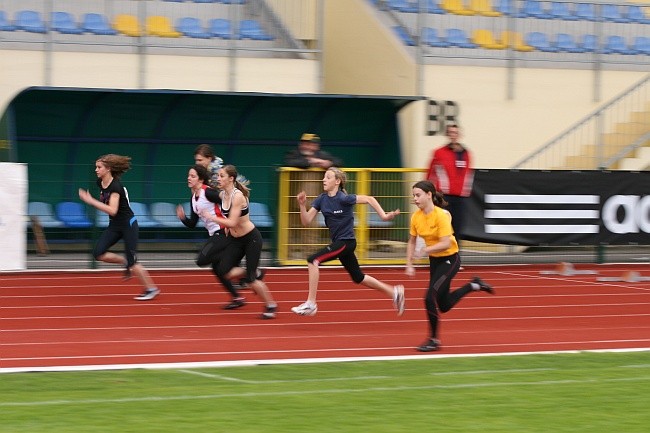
483	286
235	303
399	301
305	309
269	312
148	294
431	345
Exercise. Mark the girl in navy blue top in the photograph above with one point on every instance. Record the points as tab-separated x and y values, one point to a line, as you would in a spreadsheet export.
337	205
114	200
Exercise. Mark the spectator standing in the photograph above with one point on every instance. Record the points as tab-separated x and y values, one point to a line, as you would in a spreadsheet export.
452	173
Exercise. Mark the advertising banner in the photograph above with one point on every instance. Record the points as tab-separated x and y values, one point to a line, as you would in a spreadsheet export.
535	207
13	220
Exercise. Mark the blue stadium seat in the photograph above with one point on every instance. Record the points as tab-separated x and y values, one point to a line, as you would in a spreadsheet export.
404	36
506	7
636	15
45	214
565	42
586	11
191	27
72	214
589	43
533	9
260	215
642	45
612	13
433	7
430	37
220	28
63	22
616	45
252	29
458	38
233	2
205	1
561	11
101	219
165	214
30	21
540	42
141	213
5	24
402	6
97	24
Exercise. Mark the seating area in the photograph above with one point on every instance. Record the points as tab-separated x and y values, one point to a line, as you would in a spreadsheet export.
70	214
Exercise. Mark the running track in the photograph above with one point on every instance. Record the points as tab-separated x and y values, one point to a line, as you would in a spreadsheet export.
88	320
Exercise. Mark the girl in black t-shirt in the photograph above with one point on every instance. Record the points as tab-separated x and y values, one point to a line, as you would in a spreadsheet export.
114	200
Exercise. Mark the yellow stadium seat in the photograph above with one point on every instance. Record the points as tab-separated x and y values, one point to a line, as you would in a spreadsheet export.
128	25
484	7
456	7
515	41
485	39
161	26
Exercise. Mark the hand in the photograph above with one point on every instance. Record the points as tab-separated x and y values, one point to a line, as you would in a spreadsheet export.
390	215
84	195
180	212
410	271
421	253
302	197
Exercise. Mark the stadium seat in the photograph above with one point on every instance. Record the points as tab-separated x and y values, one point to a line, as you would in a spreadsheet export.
456	7
376	222
260	215
485	39
433	7
589	43
45	214
484	8
430	37
612	13
533	9
404	36
161	26
642	45
616	45
561	11
565	42
63	22
402	6
191	27
101	219
234	2
540	42
128	25
142	215
505	7
252	29
205	1
516	41
586	11
636	15
458	38
30	21
72	214
165	214
97	24
5	24
221	28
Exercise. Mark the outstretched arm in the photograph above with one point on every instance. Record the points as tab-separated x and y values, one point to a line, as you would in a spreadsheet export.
110	208
368	199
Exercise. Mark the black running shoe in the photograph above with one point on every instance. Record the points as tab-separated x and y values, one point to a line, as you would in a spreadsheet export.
235	303
269	313
483	286
431	345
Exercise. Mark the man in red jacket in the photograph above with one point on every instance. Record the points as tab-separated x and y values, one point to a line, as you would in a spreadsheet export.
451	172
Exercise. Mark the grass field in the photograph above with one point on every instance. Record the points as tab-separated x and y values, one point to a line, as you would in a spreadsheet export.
572	392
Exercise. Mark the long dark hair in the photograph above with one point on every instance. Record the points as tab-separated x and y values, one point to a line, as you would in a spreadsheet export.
428	186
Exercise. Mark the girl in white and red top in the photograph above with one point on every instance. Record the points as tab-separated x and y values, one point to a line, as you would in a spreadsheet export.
206	201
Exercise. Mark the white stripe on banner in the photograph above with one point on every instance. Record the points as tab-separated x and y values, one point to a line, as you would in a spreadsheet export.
541	199
546	228
545	213
13	220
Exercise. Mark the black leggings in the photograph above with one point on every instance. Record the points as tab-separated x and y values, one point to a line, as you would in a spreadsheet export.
439	295
344	251
249	246
211	253
113	234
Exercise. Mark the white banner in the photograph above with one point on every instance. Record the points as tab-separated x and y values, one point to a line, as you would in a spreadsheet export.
13	216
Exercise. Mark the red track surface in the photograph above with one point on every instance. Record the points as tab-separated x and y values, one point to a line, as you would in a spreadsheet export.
90	318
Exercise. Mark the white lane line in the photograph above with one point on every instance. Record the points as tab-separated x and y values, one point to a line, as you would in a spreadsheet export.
260	382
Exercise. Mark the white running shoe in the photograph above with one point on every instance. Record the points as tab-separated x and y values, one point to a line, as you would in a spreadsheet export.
399	301
305	309
147	294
